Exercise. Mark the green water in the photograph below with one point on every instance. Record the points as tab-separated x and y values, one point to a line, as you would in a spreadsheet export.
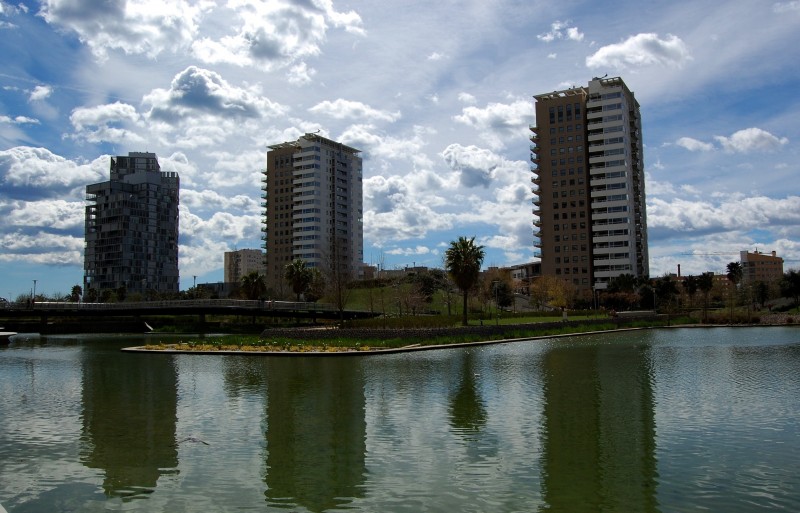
650	421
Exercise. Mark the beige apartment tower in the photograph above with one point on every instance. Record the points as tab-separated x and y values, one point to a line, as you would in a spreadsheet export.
588	176
313	207
242	262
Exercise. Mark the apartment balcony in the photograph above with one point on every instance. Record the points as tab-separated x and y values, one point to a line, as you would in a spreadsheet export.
535	148
536	179
537	212
533	128
535	159
534	138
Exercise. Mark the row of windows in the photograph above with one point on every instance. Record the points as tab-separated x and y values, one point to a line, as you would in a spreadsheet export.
569	139
569	149
569	128
575	259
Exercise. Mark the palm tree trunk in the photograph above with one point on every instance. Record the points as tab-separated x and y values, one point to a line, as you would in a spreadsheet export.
464	320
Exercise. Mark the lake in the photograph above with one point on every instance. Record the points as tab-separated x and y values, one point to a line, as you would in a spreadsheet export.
666	420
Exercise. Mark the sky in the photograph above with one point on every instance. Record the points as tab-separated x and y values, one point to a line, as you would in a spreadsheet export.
438	96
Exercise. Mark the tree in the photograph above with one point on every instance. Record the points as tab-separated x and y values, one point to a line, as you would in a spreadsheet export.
734	274
790	286
463	260
253	285
690	287
298	275
665	290
705	282
76	293
316	285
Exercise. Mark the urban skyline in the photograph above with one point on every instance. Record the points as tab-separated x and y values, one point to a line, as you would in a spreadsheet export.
438	99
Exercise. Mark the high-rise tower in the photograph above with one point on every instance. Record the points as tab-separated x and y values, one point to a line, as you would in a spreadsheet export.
589	184
313	208
131	228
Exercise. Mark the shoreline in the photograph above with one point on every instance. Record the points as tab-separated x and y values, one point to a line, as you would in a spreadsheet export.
317	351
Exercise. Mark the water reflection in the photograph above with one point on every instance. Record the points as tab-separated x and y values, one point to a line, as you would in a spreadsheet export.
467	410
316	433
129	416
599	430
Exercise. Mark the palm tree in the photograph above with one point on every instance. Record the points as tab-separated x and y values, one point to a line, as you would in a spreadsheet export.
705	282
298	275
690	285
253	285
734	274
463	261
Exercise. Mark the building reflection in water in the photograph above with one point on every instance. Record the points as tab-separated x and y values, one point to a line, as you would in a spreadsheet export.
316	433
598	430
129	416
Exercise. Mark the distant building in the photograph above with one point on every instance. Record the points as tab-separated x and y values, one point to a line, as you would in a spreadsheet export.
523	274
131	224
242	262
313	208
758	266
591	223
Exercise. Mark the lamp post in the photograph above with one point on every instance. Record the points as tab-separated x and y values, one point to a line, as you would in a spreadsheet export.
33	297
194	286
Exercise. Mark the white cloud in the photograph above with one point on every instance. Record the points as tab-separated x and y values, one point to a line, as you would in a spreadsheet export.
275	33
418	250
56	214
19	120
499	123
346	109
729	213
467	98
300	74
109	122
751	139
40	92
561	30
147	27
197	91
641	50
436	56
783	7
693	144
45	174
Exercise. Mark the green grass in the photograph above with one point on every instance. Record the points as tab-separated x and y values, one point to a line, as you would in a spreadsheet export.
283	344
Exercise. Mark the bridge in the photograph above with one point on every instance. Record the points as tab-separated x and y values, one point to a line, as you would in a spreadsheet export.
45	310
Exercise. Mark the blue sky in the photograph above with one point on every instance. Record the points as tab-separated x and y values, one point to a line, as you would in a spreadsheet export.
437	95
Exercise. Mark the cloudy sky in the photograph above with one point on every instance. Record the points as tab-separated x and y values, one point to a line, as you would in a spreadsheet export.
437	95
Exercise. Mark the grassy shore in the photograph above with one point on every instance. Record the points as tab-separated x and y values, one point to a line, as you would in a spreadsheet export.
404	339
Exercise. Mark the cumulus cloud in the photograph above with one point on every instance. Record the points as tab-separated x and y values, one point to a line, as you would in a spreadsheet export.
300	74
276	33
475	165
18	120
467	98
40	93
42	248
196	91
750	140
377	145
54	214
346	109
498	122
110	122
147	27
561	30
693	144
680	215
31	173
641	50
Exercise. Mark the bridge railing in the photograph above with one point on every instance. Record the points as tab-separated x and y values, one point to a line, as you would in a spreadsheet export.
183	304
